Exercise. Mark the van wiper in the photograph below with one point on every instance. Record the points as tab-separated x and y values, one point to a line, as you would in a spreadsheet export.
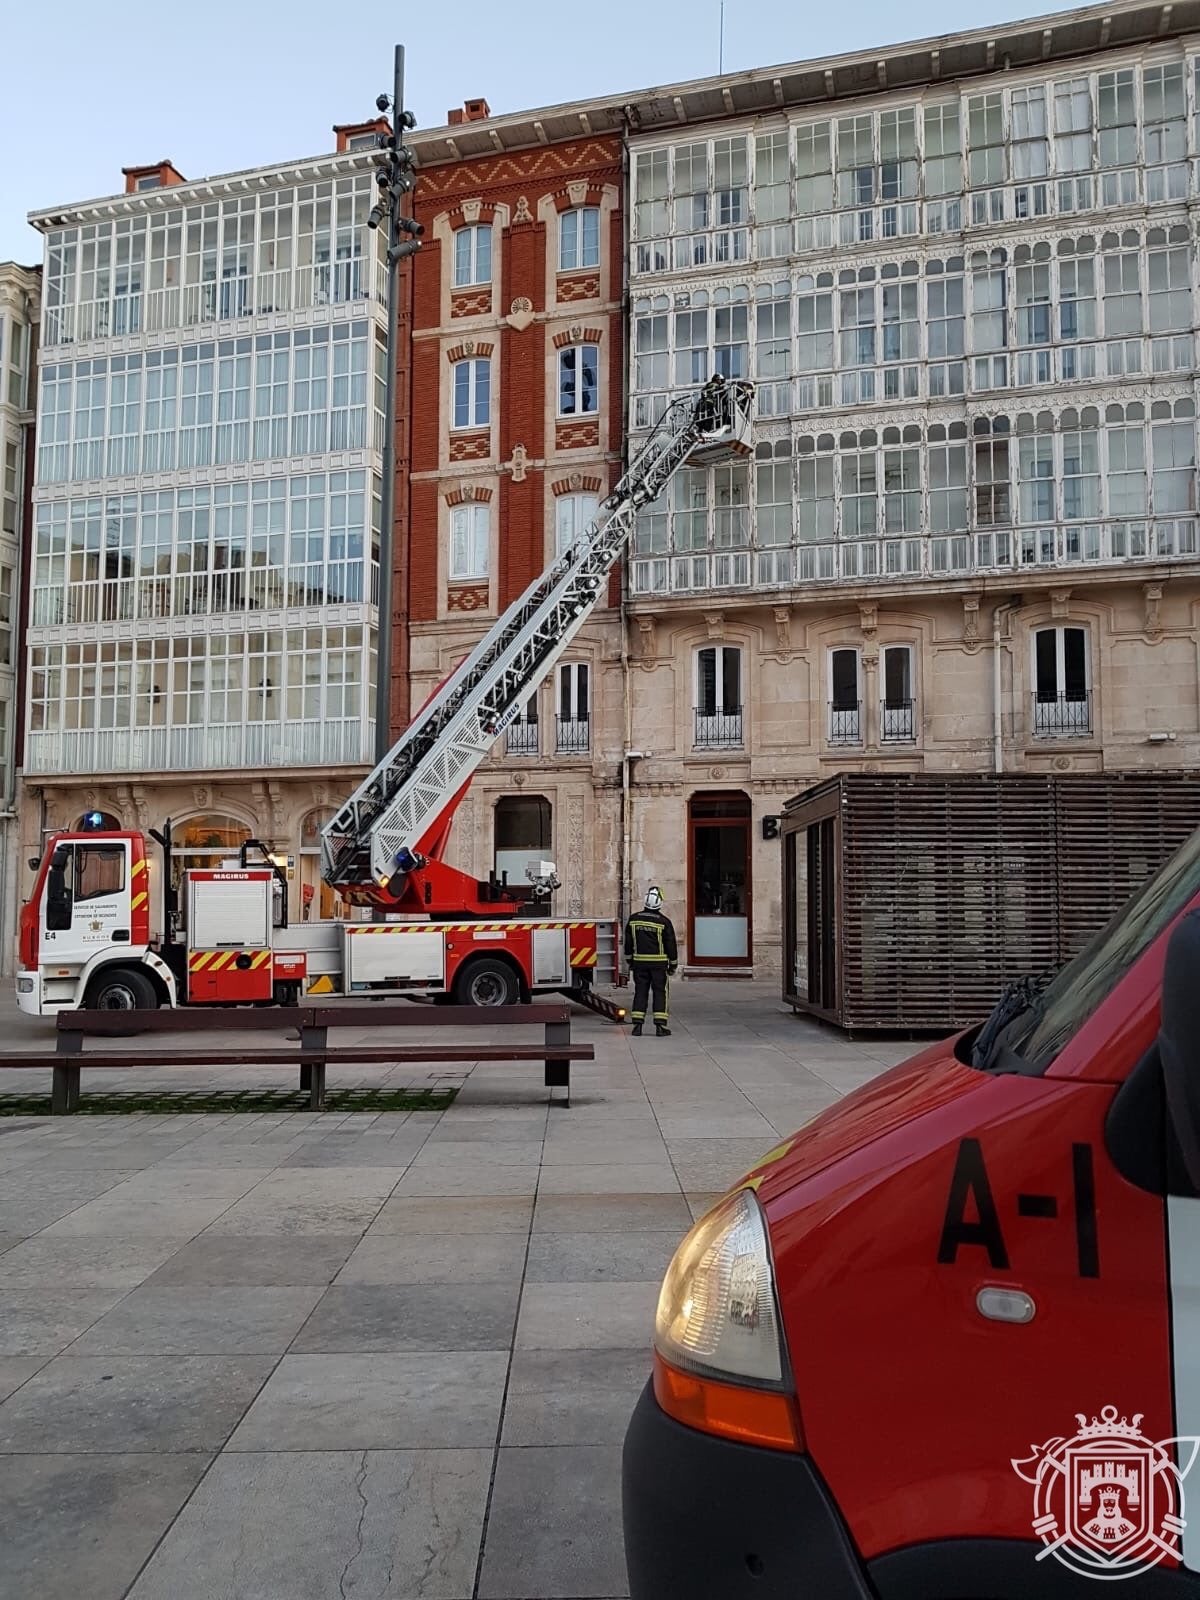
1017	998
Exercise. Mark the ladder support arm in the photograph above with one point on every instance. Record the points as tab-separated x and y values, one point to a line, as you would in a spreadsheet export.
376	836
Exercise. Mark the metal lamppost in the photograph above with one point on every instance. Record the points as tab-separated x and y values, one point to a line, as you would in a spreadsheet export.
395	175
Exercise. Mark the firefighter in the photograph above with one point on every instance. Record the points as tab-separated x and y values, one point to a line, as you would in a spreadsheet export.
652	953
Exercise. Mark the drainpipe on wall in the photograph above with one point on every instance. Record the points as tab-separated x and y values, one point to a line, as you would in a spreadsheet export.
1000	612
623	888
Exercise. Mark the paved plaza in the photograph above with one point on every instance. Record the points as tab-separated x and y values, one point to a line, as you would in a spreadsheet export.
301	1356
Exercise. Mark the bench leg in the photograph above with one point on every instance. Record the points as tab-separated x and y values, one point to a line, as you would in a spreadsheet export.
312	1075
558	1071
64	1091
316	1094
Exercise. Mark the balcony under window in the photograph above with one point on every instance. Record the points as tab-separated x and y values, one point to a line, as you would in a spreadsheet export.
719	730
1057	716
572	735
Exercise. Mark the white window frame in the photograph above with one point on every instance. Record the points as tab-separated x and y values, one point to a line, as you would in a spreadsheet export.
576	407
844	725
469	556
897	724
474	365
573	688
720	728
1064	715
577	510
476	232
579	245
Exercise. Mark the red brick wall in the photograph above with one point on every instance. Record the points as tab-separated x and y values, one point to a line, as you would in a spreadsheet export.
520	401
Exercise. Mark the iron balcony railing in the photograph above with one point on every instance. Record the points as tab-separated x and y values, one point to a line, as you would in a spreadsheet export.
718	730
522	739
1062	715
897	724
845	723
572	735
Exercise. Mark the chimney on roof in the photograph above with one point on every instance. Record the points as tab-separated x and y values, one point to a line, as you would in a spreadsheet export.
359	135
160	175
472	111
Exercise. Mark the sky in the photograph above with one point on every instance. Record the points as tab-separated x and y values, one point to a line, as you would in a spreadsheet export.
218	86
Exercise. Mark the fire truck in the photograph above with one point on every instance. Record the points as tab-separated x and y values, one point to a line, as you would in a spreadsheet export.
87	934
943	1343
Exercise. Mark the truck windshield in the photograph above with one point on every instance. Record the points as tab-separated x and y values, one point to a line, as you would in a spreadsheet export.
1035	1036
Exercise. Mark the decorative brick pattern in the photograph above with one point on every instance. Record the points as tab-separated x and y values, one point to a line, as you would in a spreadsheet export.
578	335
465	492
578	286
577	483
467	597
519	167
474	446
577	436
476	304
469	348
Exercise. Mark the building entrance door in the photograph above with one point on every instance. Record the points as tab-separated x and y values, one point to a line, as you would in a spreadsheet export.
719	887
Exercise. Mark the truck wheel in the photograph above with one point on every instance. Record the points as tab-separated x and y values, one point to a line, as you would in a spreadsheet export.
122	989
487	983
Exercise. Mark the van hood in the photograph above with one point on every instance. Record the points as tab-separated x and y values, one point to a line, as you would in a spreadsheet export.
926	1083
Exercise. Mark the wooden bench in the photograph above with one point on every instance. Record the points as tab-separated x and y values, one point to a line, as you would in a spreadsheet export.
312	1053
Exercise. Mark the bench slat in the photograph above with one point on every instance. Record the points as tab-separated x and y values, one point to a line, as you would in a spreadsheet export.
261	1019
402	1054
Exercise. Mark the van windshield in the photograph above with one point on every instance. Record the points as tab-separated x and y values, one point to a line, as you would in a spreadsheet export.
1030	1042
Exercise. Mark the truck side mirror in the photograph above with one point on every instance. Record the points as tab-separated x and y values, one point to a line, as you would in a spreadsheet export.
1179	1040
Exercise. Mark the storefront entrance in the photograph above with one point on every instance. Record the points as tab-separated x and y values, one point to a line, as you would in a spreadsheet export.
719	888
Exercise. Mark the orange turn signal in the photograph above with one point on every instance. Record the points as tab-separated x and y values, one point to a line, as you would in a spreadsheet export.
751	1416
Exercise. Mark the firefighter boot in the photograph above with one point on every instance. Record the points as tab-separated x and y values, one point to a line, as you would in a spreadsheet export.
662	1030
637	1030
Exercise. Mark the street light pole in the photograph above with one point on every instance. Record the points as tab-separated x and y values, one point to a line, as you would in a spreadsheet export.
395	178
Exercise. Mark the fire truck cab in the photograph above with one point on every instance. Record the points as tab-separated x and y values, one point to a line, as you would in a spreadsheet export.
944	1342
87	931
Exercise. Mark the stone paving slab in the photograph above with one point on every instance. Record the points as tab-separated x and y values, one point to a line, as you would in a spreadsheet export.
291	1356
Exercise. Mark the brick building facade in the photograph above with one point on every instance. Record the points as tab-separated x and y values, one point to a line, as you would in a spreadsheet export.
513	434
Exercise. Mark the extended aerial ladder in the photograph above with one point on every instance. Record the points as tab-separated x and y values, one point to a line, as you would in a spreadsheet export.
384	846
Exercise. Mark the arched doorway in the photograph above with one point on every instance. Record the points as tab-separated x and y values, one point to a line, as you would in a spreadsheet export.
719	919
523	835
318	902
205	841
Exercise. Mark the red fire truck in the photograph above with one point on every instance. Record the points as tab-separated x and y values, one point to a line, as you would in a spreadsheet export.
99	932
944	1343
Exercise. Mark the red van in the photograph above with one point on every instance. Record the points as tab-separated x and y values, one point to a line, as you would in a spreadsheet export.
944	1343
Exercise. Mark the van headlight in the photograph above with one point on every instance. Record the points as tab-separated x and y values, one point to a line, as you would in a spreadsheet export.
718	1316
24	985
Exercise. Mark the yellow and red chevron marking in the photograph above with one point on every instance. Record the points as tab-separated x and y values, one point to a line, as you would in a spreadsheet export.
138	868
217	960
585	956
461	927
138	900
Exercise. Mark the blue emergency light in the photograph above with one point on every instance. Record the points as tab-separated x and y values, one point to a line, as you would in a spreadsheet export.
93	821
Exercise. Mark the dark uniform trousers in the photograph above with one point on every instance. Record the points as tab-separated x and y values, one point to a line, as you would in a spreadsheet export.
650	978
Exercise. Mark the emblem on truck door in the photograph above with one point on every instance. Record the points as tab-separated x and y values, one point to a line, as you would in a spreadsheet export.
1108	1502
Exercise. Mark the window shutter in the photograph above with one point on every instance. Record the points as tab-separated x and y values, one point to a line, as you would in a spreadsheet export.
1075	663
844	674
1046	660
706	669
